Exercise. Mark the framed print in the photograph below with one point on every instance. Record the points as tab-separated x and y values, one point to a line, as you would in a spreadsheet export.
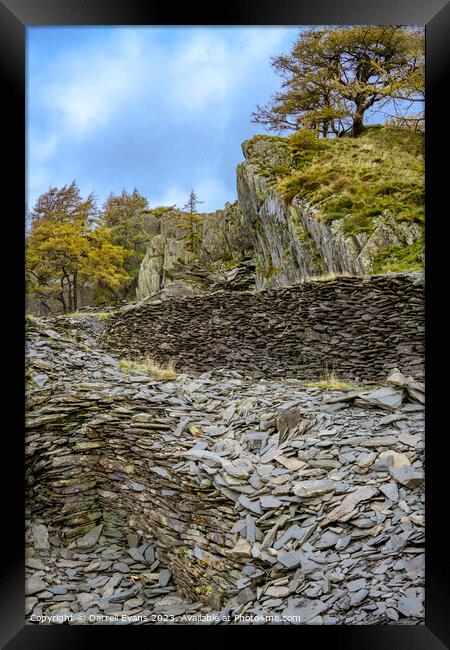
228	328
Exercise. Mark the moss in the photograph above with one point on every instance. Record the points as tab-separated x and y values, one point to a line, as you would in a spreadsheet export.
358	179
29	381
268	138
270	269
70	419
260	192
400	258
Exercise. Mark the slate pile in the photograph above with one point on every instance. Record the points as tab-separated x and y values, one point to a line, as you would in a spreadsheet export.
360	328
267	500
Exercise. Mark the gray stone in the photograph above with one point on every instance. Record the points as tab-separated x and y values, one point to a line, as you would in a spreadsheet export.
390	490
269	502
409	606
302	610
91	538
290	559
313	488
407	476
387	397
40	537
34	585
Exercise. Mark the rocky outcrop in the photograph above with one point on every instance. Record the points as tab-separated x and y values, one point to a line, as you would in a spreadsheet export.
187	253
357	327
263	498
290	239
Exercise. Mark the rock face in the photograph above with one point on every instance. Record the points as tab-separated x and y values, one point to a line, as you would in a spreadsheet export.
316	528
187	253
290	241
358	327
287	241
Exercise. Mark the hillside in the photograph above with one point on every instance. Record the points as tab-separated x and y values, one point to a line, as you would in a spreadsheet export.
360	198
306	207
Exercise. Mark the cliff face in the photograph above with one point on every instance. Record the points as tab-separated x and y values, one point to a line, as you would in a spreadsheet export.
306	208
291	241
191	252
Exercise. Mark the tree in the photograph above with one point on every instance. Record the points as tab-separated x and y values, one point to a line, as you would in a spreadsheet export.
128	224
333	76
66	248
191	206
192	202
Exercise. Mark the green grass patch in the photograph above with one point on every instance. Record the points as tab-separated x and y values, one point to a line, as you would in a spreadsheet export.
330	381
357	178
101	315
401	258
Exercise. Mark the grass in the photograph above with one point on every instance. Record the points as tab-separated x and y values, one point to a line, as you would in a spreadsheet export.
330	381
101	315
383	170
325	277
149	366
29	380
358	179
401	258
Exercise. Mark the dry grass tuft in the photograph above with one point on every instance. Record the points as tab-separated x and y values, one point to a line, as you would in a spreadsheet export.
330	381
148	366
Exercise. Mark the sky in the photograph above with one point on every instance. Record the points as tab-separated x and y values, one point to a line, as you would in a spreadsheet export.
162	109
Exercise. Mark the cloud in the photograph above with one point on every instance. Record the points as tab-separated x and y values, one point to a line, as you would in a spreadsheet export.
97	82
209	67
172	196
163	109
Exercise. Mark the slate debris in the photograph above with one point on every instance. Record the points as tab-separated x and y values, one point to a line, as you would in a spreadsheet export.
344	548
352	325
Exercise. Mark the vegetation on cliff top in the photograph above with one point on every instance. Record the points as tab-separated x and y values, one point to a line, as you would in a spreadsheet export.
357	179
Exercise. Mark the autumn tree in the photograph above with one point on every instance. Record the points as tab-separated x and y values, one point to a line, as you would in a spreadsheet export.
67	249
333	76
126	217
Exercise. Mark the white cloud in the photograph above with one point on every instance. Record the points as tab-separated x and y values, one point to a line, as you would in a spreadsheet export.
209	68
171	196
139	80
95	83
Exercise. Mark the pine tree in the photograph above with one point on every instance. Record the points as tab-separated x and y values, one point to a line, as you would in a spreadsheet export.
191	206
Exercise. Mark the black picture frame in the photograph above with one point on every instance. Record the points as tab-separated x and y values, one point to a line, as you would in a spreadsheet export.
15	17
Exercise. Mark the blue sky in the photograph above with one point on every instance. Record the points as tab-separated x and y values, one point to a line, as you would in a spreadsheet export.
163	109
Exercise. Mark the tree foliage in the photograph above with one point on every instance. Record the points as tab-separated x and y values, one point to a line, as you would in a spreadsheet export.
67	248
128	224
333	76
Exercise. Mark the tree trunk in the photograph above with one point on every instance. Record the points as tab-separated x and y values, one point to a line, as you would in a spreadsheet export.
358	125
75	291
61	295
63	302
